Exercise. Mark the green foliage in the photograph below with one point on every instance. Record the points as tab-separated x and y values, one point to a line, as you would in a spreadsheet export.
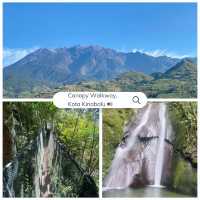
186	69
184	177
114	121
183	116
77	129
133	77
80	133
178	82
184	120
28	119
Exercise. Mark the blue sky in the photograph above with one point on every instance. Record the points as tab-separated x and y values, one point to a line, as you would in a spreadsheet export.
165	28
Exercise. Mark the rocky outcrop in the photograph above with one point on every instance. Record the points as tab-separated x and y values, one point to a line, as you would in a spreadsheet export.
135	159
184	162
184	177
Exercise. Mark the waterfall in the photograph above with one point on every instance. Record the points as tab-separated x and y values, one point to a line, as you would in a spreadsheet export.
121	170
139	158
161	146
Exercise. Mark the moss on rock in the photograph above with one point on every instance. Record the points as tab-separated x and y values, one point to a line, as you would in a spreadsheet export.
184	177
184	120
114	121
183	116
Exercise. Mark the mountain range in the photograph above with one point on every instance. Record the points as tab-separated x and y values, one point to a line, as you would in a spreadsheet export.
92	67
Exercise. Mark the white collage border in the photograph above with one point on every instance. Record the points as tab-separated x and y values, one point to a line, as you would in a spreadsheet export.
100	112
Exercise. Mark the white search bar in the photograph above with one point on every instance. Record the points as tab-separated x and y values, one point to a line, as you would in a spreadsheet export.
99	99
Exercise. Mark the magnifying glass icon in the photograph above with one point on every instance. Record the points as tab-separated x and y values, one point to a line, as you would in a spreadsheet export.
136	99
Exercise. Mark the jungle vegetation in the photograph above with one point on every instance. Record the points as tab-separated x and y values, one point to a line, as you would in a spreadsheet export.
183	117
76	129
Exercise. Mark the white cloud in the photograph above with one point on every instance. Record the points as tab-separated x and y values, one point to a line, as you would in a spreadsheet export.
11	56
161	52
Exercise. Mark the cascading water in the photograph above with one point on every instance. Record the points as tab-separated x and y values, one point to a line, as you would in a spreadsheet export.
121	171
140	156
161	147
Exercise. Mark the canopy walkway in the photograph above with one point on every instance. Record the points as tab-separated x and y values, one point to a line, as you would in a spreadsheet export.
46	168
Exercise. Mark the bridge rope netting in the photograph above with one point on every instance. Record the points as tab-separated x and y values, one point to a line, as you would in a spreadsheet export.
46	167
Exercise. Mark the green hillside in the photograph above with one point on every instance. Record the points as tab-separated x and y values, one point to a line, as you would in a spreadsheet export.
178	82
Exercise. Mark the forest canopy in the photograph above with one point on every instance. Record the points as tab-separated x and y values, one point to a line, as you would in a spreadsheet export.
76	129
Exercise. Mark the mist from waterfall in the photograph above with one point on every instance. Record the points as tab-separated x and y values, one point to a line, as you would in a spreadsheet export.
139	157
